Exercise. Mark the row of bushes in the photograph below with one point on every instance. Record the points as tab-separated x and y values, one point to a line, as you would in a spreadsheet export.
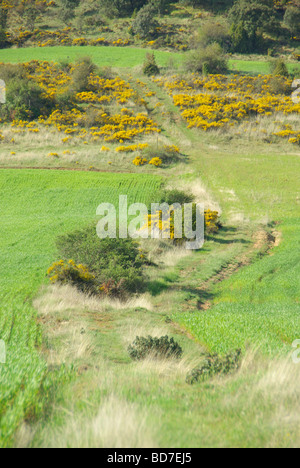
114	267
167	348
210	58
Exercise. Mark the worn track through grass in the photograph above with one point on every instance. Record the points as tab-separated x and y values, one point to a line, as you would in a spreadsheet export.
263	242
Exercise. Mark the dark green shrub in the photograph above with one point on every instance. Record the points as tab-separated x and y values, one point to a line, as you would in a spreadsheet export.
150	66
9	72
252	18
3	39
67	10
279	68
279	85
292	19
120	8
66	100
116	263
163	348
215	365
240	40
175	196
145	24
212	58
25	100
213	32
83	68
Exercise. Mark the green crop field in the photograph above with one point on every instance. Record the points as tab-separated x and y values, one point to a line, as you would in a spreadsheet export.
36	207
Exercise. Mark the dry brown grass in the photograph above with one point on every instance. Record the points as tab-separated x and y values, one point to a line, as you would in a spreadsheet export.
277	386
65	312
201	193
116	424
67	299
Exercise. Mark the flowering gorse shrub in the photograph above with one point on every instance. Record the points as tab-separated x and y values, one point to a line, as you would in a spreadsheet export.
131	148
156	162
220	101
81	104
69	272
212	221
156	222
139	161
167	154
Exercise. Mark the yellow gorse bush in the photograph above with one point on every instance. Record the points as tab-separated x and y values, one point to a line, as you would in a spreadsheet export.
69	272
156	162
46	38
103	98
131	148
211	221
218	101
155	222
139	161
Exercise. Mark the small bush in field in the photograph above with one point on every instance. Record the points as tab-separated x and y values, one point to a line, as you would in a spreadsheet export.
24	100
212	221
163	347
279	68
211	58
83	68
145	24
155	221
155	162
166	153
150	66
68	272
116	263
176	196
139	161
215	365
213	32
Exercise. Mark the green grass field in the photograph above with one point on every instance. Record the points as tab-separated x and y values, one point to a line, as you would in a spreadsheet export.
257	67
119	57
122	57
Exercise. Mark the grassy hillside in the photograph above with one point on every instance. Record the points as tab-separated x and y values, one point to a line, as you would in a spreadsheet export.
73	136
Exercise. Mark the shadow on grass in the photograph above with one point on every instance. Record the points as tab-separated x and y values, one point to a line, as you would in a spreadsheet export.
227	230
156	287
194	298
221	240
